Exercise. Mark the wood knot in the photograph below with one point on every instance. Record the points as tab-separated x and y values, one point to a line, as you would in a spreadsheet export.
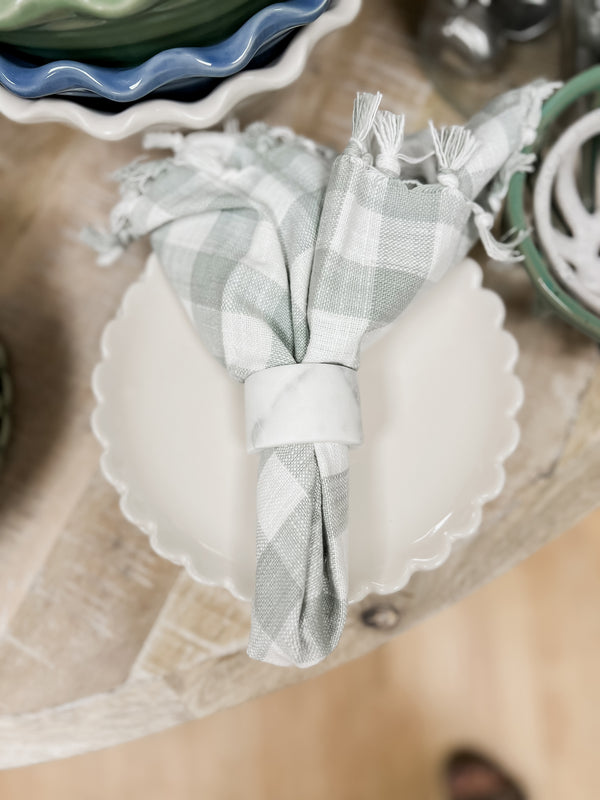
384	617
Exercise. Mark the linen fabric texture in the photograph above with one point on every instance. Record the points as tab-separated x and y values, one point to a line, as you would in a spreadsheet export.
282	253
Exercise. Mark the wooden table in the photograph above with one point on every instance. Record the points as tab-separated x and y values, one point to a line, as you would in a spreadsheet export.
102	641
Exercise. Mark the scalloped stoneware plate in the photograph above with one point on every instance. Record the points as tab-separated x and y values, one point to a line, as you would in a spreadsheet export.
439	399
192	114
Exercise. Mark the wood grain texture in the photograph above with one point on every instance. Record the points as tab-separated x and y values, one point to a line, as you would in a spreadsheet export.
102	641
511	670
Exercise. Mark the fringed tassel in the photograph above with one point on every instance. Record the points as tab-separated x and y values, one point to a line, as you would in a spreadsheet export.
389	132
107	245
518	162
499	251
535	96
110	245
283	134
132	179
134	176
454	146
161	140
363	118
232	126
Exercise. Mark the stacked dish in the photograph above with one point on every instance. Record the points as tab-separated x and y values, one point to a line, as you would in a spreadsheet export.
114	68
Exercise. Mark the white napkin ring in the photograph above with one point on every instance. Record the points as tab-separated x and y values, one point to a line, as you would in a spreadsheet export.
301	404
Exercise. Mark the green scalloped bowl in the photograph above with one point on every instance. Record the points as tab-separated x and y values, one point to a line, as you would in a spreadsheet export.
130	39
16	14
57	14
549	289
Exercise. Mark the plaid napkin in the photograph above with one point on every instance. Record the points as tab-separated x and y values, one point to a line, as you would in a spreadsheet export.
282	255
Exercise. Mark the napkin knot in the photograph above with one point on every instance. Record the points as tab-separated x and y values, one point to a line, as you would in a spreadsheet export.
447	178
302	404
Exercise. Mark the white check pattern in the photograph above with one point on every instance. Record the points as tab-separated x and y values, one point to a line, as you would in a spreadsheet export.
280	255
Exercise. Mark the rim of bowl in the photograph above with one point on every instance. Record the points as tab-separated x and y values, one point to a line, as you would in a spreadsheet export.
172	114
129	84
547	285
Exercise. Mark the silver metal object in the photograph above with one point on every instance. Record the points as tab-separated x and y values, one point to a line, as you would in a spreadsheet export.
464	38
524	20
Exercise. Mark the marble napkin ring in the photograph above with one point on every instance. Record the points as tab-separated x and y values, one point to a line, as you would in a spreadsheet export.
302	404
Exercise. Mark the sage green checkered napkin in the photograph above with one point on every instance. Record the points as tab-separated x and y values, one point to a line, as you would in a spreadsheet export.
282	255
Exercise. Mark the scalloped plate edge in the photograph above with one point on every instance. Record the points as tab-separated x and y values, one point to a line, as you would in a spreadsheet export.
486	492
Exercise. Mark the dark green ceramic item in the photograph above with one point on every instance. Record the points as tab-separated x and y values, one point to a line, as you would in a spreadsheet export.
133	39
549	289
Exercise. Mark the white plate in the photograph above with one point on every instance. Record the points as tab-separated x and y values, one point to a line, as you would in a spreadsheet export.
439	398
197	115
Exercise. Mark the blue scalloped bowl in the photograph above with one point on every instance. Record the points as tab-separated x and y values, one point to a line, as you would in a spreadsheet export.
181	69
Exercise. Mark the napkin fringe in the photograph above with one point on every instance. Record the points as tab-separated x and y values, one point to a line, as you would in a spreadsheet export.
389	132
136	175
518	162
271	136
454	146
534	97
191	149
163	140
500	251
365	109
110	245
106	246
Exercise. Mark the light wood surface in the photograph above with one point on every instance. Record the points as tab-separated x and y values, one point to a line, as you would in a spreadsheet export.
512	670
101	641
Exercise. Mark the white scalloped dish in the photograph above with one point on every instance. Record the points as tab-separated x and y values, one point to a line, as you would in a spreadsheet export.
439	399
